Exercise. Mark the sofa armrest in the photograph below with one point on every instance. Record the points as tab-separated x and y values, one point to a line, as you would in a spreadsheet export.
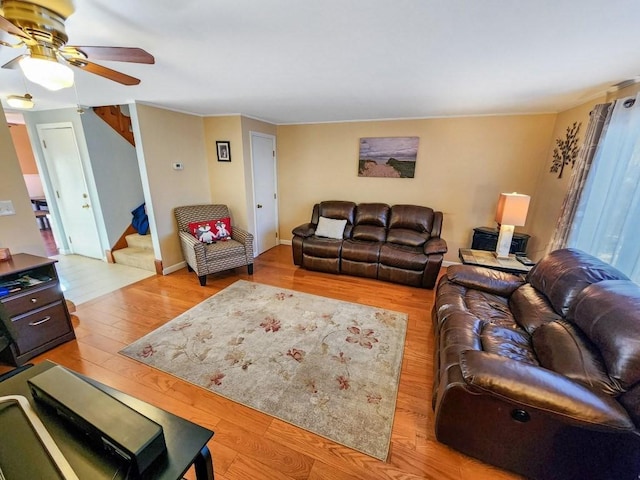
305	230
539	388
435	245
484	279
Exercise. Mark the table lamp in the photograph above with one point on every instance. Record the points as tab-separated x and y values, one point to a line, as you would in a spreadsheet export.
511	212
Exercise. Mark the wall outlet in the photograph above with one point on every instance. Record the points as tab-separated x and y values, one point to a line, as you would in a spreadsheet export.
178	166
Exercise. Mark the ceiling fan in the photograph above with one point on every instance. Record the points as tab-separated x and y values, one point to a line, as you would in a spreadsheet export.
39	26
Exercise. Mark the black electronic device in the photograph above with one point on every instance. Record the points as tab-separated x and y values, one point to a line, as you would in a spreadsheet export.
107	422
525	260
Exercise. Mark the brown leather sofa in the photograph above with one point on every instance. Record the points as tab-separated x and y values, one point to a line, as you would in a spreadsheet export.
399	244
541	377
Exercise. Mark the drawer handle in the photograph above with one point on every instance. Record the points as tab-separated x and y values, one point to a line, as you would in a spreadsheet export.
34	300
39	322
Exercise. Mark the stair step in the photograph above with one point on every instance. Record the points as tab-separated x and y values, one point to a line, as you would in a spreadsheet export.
136	257
139	241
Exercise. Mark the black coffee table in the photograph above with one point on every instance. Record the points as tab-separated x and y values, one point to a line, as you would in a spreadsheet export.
186	441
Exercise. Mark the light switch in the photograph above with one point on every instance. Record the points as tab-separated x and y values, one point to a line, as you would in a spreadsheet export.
6	207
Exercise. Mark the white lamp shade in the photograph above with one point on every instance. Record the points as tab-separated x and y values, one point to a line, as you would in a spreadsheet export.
48	73
512	209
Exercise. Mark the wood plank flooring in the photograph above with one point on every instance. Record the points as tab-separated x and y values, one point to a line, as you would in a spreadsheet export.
248	444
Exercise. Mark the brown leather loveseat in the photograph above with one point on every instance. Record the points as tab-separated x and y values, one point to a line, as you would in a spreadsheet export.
541	377
399	243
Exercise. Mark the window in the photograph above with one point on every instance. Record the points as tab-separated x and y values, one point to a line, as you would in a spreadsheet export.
607	220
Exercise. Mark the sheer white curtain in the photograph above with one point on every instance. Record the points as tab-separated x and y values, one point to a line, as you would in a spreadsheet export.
607	221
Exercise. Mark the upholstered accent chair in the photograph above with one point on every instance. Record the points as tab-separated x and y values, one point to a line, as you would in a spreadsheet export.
205	258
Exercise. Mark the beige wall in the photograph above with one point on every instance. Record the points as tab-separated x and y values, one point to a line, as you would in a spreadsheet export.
18	232
463	164
227	179
164	137
23	148
550	191
231	182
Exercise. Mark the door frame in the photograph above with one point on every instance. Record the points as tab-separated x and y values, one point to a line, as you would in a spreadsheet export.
253	188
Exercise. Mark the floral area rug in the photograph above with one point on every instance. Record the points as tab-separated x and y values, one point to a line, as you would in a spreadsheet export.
325	365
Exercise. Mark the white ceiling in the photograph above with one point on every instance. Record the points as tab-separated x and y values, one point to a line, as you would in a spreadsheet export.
294	61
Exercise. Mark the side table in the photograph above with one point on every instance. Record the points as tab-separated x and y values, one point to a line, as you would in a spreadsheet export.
486	238
483	258
32	307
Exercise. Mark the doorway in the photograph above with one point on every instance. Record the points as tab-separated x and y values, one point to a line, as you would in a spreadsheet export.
69	187
263	158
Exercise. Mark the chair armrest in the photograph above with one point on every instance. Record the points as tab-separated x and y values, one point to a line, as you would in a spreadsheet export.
305	230
190	241
435	245
484	279
242	236
544	390
245	238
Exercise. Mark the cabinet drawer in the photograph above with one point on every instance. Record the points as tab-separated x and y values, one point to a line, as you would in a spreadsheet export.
40	326
32	299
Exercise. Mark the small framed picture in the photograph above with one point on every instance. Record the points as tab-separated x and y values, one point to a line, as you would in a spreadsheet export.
224	151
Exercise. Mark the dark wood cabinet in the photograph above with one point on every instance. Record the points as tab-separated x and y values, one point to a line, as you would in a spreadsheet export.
486	238
34	314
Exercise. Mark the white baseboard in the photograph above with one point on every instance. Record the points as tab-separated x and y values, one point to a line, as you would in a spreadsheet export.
447	263
174	268
285	242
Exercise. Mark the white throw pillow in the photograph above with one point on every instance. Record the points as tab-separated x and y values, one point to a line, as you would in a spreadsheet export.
330	228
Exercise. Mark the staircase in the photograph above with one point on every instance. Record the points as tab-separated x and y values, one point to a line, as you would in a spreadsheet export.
118	120
138	253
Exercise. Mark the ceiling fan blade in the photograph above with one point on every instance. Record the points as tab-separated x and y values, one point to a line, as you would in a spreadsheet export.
13	63
9	27
105	72
118	54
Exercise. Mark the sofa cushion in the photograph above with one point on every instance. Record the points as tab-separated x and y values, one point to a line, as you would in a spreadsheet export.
410	225
512	343
562	274
609	314
404	236
563	348
530	308
322	247
369	233
411	217
376	214
367	252
402	257
338	209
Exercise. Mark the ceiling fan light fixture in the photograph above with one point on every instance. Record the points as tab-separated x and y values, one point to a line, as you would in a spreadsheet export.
23	102
46	72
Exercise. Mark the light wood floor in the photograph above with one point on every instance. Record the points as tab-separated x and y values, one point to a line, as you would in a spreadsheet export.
248	444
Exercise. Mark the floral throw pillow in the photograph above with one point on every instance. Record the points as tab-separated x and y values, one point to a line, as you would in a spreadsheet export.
211	231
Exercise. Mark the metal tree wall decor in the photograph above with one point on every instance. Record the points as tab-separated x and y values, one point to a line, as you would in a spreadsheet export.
566	151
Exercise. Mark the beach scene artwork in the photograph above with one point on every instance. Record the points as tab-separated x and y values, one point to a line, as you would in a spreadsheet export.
391	157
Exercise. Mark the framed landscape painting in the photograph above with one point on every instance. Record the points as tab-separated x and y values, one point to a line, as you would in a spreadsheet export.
392	157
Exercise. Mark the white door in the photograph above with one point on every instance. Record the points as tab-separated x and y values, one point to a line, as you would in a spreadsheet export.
263	157
66	173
